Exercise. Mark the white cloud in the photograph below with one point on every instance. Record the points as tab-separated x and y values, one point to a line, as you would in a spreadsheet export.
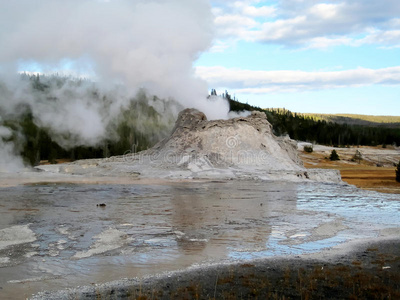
235	20
385	38
313	24
324	11
247	9
233	24
220	46
239	19
324	42
394	23
250	81
281	30
265	11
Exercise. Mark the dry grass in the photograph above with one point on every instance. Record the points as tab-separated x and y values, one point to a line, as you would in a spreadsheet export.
365	175
358	280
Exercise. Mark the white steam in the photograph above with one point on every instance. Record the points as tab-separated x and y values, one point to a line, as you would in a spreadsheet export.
238	114
149	44
123	45
9	162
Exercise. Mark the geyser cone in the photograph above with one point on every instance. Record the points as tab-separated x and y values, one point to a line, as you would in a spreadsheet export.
244	141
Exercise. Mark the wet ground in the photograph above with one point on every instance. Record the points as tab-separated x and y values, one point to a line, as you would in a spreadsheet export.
370	270
58	235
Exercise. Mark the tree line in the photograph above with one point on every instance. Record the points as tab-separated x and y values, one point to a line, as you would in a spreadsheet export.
137	126
36	144
307	128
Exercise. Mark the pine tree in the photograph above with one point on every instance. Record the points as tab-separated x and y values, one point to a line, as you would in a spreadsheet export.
308	148
334	155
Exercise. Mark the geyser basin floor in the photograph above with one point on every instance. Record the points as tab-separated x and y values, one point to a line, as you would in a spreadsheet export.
57	235
369	271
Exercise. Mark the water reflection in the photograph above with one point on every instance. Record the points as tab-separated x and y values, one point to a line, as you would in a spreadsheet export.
146	229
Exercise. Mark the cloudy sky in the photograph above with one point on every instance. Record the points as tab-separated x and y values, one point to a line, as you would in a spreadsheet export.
338	56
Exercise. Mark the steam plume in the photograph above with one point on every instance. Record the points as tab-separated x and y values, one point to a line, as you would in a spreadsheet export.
122	45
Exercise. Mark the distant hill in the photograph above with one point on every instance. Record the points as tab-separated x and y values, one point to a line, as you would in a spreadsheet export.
353	119
350	119
318	129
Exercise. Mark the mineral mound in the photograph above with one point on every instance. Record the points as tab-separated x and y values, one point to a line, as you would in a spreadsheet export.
244	141
243	147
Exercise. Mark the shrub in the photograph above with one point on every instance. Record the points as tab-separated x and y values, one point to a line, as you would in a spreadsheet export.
334	155
398	172
308	148
357	156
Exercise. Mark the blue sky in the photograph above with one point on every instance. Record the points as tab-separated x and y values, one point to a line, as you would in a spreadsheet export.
307	55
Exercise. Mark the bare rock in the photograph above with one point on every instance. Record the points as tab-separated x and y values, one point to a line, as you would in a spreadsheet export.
243	141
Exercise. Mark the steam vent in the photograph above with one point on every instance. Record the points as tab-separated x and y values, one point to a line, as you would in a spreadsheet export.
243	147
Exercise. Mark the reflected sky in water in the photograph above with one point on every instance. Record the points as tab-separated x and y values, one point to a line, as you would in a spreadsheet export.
167	227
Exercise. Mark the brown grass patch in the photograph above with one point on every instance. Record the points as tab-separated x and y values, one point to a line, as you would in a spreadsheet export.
363	175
